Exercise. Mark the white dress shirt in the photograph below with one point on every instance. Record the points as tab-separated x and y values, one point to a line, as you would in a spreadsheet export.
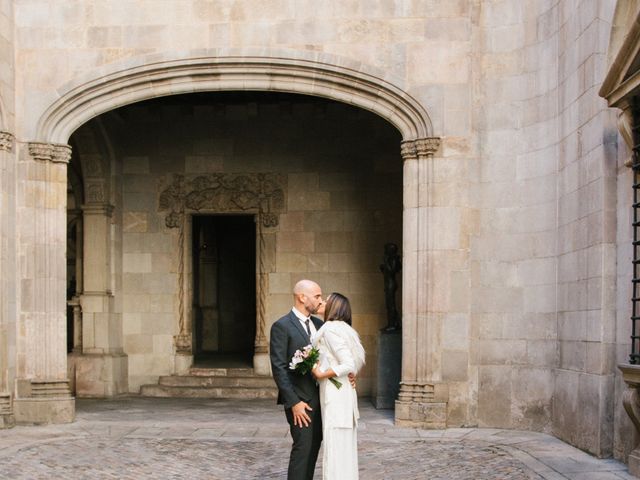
303	321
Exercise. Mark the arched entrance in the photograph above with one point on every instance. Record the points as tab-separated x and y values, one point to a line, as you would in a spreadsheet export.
153	79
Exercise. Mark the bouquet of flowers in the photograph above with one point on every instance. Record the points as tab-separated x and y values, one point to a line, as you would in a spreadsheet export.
304	360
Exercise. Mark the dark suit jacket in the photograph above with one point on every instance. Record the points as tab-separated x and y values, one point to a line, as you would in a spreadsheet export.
287	336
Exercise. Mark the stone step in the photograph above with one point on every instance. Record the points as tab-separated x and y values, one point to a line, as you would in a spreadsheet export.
207	392
221	372
216	381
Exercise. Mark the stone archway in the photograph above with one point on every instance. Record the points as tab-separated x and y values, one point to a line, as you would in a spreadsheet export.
421	399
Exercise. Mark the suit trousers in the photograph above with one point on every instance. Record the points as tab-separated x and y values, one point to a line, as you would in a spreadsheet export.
306	443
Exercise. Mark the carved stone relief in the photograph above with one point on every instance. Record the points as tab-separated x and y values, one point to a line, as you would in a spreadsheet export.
6	141
260	193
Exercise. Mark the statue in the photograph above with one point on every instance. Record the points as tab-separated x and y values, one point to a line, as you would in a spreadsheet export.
390	266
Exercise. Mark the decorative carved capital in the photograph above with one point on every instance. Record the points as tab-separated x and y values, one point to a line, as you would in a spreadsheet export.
420	148
61	153
408	150
427	146
6	141
41	151
52	152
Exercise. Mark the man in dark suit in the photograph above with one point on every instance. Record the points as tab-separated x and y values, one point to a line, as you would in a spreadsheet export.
298	393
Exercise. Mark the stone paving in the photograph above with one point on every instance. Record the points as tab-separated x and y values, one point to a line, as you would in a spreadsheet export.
140	438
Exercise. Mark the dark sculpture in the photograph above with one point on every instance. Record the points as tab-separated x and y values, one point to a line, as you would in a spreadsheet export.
390	267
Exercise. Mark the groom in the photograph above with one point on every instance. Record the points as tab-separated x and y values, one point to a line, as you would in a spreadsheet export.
298	393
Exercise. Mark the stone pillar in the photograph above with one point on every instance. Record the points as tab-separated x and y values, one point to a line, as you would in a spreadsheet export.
42	389
7	320
422	398
631	402
102	369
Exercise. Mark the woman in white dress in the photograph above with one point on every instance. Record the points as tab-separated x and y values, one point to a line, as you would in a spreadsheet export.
341	353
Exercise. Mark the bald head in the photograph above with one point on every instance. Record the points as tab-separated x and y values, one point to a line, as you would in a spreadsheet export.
307	296
304	286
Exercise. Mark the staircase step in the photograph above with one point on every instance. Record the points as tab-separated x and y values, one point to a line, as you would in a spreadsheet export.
207	392
216	381
221	372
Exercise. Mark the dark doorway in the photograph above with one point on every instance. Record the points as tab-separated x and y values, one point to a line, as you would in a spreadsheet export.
224	290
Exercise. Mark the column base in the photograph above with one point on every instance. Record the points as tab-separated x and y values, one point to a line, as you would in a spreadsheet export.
100	375
183	362
262	364
40	402
421	415
7	421
41	411
422	405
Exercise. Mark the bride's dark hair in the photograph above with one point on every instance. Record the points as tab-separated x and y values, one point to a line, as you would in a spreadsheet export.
337	308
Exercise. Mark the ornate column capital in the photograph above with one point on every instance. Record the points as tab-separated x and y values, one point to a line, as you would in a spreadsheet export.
427	147
408	150
419	148
52	152
6	141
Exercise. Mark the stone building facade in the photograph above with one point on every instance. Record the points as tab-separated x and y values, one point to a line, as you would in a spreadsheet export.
469	132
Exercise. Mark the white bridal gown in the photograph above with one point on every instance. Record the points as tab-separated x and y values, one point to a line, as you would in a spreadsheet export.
340	350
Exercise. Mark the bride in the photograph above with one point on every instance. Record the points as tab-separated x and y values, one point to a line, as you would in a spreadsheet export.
341	353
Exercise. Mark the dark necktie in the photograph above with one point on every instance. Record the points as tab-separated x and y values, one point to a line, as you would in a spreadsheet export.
306	322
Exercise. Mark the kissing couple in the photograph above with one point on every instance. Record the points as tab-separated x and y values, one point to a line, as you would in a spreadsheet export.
320	403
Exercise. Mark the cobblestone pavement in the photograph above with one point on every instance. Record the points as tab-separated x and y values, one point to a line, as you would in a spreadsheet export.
139	438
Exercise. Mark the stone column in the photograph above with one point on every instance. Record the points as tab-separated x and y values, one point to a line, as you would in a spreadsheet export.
102	368
422	398
42	387
7	319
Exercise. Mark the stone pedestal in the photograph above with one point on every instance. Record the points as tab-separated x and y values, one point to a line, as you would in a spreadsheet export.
100	375
261	364
41	402
422	405
389	367
7	419
183	362
631	401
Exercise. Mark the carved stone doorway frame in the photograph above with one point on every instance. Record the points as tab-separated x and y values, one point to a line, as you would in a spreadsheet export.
258	194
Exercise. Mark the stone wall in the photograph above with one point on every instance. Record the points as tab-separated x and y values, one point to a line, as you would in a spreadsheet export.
343	202
513	264
584	380
521	320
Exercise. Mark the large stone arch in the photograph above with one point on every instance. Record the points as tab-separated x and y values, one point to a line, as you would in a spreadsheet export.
151	76
421	400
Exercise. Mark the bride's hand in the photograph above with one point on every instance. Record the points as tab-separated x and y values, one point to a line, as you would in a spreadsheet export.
315	371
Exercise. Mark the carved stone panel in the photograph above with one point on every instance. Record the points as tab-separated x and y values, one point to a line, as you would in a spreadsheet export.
262	193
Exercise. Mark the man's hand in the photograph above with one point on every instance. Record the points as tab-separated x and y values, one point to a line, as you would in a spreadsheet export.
300	417
352	380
